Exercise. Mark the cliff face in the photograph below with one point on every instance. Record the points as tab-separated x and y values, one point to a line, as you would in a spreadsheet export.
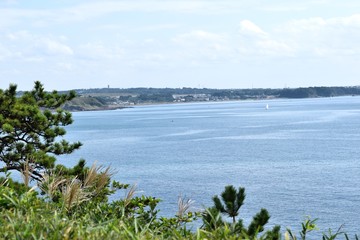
88	103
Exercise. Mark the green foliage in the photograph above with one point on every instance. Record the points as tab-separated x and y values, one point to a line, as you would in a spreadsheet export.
16	186
232	199
330	235
29	128
25	215
212	219
28	216
307	226
258	222
78	170
273	234
347	237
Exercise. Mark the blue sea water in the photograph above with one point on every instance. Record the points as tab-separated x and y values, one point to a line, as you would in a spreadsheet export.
298	158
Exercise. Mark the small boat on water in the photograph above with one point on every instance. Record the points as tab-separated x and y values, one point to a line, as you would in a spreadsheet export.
267	107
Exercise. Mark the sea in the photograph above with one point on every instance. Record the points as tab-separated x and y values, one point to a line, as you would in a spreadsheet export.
298	158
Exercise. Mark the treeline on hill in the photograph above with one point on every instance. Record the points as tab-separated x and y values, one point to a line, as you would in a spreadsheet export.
58	202
312	92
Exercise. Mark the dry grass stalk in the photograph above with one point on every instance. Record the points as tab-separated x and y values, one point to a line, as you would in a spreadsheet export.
73	191
91	176
96	178
183	206
51	184
130	194
74	194
25	173
103	179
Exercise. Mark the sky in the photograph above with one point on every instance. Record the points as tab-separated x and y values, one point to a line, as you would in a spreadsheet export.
74	44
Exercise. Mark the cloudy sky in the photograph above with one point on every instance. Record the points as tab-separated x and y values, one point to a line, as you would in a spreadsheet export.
69	44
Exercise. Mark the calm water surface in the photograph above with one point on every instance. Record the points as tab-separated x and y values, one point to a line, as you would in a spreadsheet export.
299	158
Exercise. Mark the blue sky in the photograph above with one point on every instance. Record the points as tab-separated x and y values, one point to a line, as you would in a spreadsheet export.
171	43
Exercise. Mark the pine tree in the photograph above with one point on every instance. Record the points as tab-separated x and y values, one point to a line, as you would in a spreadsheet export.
259	221
31	129
232	199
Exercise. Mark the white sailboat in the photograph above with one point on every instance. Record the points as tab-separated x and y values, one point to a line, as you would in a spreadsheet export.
267	107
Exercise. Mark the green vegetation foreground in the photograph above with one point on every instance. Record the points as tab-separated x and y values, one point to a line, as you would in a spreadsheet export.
56	202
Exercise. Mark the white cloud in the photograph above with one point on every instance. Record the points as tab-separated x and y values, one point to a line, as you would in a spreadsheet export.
310	37
249	28
255	42
324	37
331	25
302	25
26	46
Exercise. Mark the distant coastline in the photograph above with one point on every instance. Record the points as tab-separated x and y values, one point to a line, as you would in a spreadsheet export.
115	98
